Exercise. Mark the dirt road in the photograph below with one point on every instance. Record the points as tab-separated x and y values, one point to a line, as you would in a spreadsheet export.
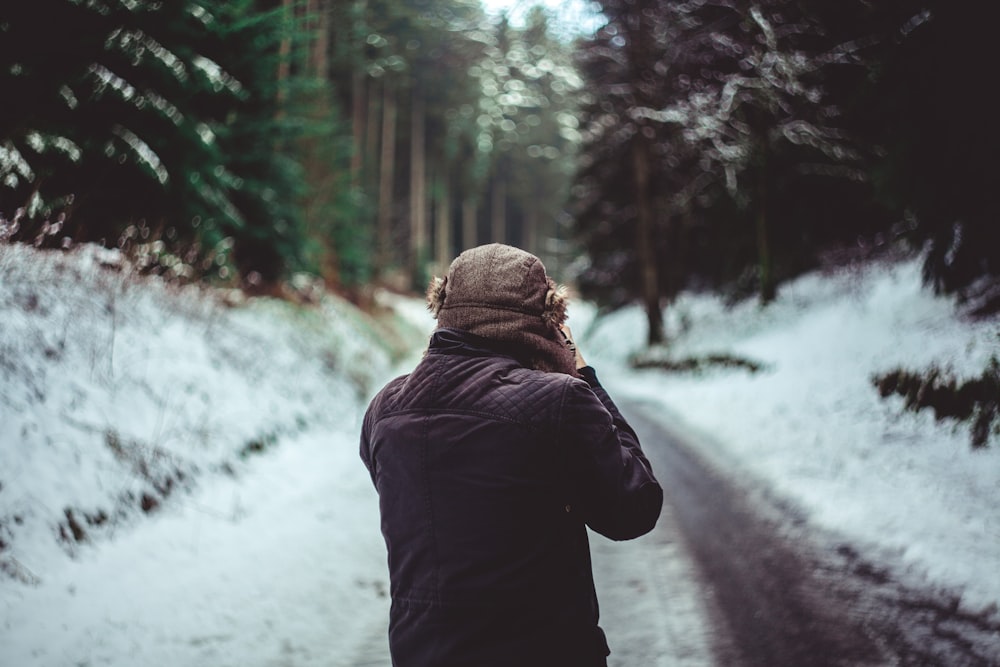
779	592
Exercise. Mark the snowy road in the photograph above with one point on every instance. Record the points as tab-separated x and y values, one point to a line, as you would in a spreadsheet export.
732	577
653	608
781	593
276	559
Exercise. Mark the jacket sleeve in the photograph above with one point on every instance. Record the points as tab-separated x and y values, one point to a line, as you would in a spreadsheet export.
366	446
375	409
611	479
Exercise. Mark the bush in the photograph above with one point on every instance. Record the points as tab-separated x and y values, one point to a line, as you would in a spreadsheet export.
976	401
655	359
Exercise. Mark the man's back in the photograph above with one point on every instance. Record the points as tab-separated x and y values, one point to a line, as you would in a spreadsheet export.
491	459
489	561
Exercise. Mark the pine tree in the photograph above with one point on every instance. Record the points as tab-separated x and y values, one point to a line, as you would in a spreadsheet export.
138	121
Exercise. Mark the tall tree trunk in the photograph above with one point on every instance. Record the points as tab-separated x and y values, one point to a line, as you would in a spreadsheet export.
764	267
285	54
442	223
361	106
470	224
319	22
640	44
418	188
358	122
387	168
531	221
498	212
369	167
645	238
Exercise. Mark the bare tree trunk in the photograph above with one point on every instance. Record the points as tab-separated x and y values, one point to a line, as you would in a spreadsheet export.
359	102
369	166
319	15
645	238
765	270
284	55
418	187
470	224
641	60
442	224
531	232
498	213
387	167
358	119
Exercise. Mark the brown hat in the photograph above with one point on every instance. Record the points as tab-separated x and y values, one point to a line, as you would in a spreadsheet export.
503	294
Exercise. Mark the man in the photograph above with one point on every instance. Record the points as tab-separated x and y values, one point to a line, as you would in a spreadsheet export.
490	459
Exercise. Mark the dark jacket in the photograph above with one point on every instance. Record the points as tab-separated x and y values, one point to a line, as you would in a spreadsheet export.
487	474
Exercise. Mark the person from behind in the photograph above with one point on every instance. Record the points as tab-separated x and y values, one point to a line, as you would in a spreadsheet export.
491	459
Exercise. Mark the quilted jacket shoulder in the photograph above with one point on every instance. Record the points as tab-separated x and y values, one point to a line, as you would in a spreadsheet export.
494	386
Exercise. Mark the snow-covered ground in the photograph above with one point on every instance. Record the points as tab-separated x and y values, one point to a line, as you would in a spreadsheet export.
236	427
811	425
239	423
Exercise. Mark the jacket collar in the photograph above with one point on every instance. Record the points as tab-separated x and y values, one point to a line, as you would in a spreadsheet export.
457	341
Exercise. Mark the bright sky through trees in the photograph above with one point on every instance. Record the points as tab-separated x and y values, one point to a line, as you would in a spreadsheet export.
575	16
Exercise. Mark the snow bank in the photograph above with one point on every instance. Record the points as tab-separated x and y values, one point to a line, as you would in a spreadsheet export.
179	478
207	453
811	425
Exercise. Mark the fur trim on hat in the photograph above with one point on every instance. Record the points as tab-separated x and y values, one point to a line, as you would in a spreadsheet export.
435	295
555	305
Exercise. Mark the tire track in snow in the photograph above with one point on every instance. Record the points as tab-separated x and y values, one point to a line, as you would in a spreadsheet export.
653	608
786	593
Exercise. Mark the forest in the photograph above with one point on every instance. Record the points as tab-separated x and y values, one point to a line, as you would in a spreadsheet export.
711	144
777	221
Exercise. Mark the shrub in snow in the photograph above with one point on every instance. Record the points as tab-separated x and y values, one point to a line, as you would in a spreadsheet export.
976	400
657	358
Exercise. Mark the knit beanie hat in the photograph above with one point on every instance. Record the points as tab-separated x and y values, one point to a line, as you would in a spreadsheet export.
503	294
